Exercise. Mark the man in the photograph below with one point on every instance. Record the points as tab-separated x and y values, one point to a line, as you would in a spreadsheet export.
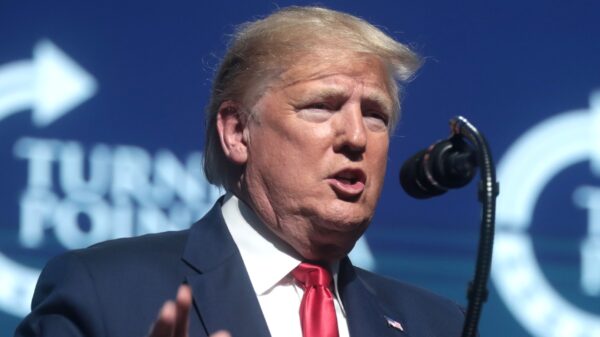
298	128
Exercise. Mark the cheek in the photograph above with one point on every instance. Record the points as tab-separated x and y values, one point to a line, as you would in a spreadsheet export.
284	159
378	161
300	146
379	151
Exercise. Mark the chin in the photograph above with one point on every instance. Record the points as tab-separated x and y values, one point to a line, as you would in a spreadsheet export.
332	240
328	251
346	217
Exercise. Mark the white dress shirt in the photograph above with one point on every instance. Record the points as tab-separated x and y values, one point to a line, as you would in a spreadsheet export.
269	269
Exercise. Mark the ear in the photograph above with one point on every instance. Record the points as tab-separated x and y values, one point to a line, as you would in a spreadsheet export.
231	125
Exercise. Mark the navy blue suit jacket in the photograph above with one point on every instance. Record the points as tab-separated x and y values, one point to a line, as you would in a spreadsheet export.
115	289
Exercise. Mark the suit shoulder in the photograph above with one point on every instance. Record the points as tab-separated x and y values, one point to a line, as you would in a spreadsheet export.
387	283
164	242
411	298
125	254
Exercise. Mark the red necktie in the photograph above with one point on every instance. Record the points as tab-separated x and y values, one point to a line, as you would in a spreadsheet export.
317	312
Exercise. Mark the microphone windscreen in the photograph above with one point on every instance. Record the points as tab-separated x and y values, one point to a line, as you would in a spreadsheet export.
414	180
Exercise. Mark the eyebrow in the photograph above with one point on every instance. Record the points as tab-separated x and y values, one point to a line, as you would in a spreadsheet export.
383	101
372	96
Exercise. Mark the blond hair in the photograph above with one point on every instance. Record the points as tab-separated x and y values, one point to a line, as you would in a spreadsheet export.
261	50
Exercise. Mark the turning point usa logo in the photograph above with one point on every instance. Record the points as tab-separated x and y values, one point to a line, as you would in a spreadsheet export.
77	194
529	166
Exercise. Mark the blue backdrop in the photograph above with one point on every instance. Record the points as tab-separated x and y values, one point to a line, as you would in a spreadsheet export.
101	131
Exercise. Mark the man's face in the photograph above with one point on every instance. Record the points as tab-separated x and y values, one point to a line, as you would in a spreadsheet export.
317	150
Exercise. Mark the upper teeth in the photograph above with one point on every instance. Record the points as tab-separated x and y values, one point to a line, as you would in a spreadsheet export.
346	175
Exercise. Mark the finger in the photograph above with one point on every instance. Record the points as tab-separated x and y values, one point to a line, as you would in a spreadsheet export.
164	325
221	333
183	304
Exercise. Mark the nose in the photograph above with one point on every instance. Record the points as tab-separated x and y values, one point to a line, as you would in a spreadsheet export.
351	132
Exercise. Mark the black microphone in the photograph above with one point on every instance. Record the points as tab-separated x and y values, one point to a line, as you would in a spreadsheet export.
444	165
451	164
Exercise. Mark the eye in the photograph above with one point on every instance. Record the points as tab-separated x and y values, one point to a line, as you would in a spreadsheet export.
319	106
376	120
316	112
377	115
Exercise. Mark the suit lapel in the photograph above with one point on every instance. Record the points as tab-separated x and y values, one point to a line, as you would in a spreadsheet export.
365	315
224	297
222	291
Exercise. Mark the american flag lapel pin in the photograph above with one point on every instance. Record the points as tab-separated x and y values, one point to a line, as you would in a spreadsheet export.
394	324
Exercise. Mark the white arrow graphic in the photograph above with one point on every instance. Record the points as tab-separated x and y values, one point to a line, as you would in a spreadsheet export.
51	84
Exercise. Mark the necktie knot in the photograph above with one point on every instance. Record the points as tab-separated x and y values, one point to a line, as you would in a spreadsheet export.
311	275
317	311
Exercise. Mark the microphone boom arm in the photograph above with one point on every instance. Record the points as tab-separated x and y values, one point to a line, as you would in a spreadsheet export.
488	190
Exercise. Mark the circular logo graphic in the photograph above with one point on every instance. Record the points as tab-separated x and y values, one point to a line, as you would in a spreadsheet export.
528	166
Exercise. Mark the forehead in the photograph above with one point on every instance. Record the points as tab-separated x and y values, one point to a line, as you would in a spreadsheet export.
325	74
320	65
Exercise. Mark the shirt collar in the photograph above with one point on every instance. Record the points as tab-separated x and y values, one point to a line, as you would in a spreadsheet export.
266	263
265	258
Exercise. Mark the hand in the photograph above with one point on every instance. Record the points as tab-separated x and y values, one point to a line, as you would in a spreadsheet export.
173	320
173	317
221	333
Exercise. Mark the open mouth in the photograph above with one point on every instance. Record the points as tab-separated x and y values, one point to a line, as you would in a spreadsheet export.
348	183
